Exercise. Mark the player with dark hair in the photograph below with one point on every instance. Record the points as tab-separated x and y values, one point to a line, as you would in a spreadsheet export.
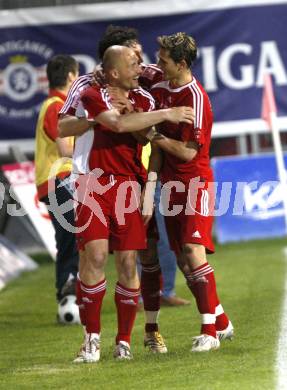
62	70
181	153
120	35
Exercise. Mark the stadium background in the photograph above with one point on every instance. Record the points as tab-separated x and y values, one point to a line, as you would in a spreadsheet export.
234	53
238	41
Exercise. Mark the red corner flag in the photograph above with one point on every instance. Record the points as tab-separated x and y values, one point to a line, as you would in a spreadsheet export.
268	100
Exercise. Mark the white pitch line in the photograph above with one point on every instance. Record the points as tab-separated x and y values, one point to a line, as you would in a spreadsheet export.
281	363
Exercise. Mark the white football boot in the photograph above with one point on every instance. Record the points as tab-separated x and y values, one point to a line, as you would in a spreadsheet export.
204	343
90	350
227	333
123	351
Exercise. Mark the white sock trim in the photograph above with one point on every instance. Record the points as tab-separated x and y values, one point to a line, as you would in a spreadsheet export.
125	343
92	336
207	319
219	310
127	293
151	317
94	290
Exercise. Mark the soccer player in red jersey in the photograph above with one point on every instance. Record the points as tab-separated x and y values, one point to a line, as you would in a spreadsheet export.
180	152
106	198
73	119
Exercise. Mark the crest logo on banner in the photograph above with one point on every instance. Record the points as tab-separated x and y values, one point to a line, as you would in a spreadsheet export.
23	80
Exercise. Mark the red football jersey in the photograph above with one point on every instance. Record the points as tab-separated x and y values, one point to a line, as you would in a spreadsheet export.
73	98
118	154
151	75
192	95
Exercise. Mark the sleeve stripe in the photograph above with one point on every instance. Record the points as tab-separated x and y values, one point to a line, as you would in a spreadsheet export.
148	96
200	103
105	97
77	86
71	94
197	104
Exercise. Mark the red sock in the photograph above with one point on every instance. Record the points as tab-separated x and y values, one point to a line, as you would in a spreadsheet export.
221	318
126	300
92	296
151	284
80	303
202	284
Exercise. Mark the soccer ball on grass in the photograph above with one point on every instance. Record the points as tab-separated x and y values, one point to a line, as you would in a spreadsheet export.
68	310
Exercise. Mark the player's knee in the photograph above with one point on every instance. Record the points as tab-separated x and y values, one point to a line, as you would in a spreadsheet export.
188	249
194	251
129	269
97	260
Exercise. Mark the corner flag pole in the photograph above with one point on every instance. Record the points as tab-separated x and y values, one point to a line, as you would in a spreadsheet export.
269	114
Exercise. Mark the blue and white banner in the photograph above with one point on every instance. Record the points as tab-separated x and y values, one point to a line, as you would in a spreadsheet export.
249	198
238	42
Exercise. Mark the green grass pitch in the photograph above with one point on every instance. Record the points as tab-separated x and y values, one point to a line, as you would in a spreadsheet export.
36	353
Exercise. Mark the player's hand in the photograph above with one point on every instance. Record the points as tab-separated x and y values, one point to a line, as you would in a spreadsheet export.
152	134
140	137
147	201
158	137
180	114
119	101
121	106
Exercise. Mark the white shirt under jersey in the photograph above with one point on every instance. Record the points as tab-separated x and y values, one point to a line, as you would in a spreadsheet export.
73	106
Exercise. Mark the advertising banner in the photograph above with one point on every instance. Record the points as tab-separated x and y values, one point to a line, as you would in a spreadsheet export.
12	262
22	179
249	198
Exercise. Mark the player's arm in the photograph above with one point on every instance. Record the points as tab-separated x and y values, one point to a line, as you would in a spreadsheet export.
136	121
124	105
140	136
70	125
155	162
65	148
185	151
147	198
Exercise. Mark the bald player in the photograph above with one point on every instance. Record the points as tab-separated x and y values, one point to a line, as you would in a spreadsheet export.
116	152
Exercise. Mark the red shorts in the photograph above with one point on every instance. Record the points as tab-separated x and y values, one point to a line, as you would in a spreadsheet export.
108	209
193	223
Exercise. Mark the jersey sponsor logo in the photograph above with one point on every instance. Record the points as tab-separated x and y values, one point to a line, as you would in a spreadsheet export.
201	279
87	300
128	302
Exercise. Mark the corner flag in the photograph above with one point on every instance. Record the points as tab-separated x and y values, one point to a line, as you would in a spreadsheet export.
269	114
268	101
